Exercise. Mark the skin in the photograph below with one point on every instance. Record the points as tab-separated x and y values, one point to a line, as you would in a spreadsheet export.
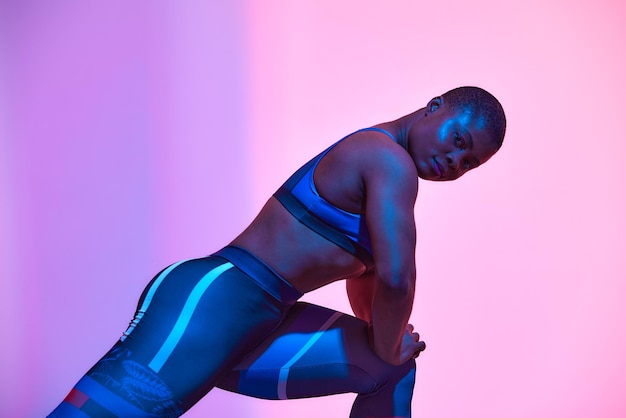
369	173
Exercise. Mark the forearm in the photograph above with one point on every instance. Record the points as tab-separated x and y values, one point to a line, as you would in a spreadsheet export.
391	308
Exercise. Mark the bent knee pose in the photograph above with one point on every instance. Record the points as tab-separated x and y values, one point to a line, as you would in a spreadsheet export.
316	352
231	319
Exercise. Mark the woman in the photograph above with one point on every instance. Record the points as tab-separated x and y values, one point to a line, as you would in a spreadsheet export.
231	319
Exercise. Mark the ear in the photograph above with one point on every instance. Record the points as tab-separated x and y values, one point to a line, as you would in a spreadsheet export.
434	105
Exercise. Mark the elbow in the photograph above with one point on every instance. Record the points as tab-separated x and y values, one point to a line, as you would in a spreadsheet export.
397	283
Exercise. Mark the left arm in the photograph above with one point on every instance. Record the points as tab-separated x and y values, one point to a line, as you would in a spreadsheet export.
360	294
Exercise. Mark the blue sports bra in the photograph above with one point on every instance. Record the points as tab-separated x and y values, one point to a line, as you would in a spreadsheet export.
346	229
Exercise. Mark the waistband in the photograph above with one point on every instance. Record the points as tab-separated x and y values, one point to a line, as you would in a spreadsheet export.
264	275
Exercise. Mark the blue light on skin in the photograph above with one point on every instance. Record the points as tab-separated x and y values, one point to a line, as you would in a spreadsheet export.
448	144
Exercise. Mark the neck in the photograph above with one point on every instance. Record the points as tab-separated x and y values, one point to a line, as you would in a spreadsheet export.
400	128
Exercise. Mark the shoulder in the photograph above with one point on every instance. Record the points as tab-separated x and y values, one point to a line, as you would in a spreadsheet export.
382	160
366	164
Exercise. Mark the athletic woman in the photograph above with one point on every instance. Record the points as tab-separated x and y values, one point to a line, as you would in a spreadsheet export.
232	319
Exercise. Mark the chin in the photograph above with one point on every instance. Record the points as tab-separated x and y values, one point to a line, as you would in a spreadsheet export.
430	177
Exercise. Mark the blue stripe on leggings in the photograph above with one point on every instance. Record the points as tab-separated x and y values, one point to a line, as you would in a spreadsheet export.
284	371
148	299
402	394
185	316
67	410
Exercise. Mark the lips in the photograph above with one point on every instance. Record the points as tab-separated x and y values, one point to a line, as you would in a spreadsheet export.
438	168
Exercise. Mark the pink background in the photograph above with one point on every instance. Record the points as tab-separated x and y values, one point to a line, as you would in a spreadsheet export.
138	133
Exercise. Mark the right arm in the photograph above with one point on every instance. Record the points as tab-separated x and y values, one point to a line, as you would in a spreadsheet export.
391	191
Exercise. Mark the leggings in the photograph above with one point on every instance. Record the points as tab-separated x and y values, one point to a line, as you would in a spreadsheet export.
229	320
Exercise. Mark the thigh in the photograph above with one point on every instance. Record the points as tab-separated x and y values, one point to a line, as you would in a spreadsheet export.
316	351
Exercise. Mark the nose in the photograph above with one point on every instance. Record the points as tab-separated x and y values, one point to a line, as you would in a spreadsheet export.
452	161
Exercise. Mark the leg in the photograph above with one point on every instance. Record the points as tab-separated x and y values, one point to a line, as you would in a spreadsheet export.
195	321
317	352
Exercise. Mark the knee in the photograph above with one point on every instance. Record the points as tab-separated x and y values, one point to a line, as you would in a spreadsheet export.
403	374
398	379
404	377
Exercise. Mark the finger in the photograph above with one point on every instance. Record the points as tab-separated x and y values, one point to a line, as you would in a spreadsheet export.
409	327
421	347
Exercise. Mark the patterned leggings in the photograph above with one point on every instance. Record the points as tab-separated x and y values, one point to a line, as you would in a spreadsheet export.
205	322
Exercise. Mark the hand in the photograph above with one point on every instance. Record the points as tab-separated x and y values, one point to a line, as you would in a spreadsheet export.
411	344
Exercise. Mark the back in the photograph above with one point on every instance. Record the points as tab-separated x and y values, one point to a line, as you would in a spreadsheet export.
301	234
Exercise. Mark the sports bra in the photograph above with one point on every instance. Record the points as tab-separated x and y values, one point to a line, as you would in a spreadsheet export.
346	229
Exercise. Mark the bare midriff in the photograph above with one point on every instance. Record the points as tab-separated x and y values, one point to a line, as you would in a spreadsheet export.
304	258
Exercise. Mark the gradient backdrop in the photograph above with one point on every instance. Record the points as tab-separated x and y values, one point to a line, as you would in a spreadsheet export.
134	134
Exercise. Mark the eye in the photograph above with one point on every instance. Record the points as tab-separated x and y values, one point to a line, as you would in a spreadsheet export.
459	141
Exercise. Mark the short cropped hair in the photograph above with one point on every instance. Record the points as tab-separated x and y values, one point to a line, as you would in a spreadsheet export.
482	102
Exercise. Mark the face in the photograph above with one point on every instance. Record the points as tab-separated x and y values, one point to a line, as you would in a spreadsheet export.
445	144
